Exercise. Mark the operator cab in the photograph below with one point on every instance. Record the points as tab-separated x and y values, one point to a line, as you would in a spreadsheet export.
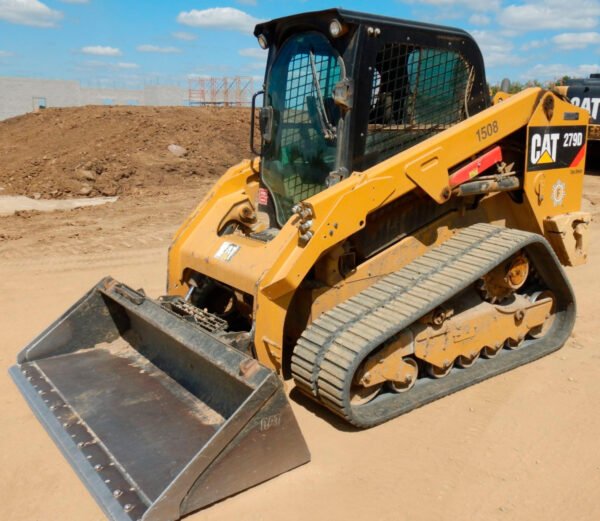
344	91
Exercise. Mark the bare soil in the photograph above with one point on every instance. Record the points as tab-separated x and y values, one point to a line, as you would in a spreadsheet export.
97	150
521	446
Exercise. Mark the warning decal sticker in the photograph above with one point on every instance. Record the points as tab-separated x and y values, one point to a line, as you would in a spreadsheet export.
226	251
556	147
559	190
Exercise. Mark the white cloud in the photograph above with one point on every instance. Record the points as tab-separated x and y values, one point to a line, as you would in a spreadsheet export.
479	19
473	5
127	65
182	35
96	64
101	50
568	41
534	44
496	50
551	14
227	18
29	12
253	52
254	66
558	70
156	48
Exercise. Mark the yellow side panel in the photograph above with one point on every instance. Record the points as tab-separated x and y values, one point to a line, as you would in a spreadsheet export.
555	158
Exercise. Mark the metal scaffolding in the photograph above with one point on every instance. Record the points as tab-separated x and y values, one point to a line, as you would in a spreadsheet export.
233	91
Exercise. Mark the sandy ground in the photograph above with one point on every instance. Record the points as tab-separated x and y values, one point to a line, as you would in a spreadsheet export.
522	446
12	204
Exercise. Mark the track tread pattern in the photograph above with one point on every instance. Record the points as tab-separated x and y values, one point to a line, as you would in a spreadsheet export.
331	348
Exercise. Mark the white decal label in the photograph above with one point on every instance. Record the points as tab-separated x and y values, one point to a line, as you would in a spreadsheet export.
590	104
558	193
226	251
543	148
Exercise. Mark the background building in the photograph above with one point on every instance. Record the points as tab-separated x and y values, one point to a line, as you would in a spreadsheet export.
21	95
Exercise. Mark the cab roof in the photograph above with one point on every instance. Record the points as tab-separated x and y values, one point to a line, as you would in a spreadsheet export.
352	18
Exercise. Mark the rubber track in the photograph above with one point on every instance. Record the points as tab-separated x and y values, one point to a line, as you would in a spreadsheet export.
333	346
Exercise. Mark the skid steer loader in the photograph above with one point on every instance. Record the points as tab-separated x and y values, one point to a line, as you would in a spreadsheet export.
396	239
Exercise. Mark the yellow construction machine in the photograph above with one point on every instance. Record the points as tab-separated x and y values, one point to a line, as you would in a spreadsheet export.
581	92
396	238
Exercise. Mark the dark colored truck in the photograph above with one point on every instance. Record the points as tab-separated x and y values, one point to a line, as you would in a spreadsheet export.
585	93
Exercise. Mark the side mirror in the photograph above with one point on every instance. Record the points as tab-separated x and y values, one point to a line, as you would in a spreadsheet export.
505	85
266	123
343	93
252	122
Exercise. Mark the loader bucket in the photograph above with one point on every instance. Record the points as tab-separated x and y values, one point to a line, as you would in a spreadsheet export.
158	417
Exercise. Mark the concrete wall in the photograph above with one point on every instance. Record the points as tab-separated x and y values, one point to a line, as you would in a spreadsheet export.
110	97
165	95
21	95
17	94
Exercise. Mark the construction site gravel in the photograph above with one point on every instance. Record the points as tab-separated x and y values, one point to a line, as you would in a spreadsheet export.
521	446
107	151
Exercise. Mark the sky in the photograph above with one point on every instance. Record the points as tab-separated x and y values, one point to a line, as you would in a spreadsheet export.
132	42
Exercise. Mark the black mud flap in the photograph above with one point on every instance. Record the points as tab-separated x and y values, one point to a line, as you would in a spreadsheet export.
158	417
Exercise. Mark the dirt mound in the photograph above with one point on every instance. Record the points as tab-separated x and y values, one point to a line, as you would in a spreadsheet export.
91	151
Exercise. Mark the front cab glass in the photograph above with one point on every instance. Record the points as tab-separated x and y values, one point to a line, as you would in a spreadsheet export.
300	151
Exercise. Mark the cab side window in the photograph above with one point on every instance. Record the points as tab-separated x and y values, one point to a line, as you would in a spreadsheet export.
416	93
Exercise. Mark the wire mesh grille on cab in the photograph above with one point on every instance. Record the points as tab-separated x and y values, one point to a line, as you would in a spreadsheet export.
416	92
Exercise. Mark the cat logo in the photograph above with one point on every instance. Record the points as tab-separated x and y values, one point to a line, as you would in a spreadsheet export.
543	148
590	104
553	147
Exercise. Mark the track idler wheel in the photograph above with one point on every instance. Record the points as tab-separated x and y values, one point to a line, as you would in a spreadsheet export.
505	279
359	395
467	361
438	372
514	344
489	352
409	381
389	366
540	331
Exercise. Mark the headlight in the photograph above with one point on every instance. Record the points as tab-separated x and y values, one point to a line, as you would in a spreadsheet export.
336	28
262	41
